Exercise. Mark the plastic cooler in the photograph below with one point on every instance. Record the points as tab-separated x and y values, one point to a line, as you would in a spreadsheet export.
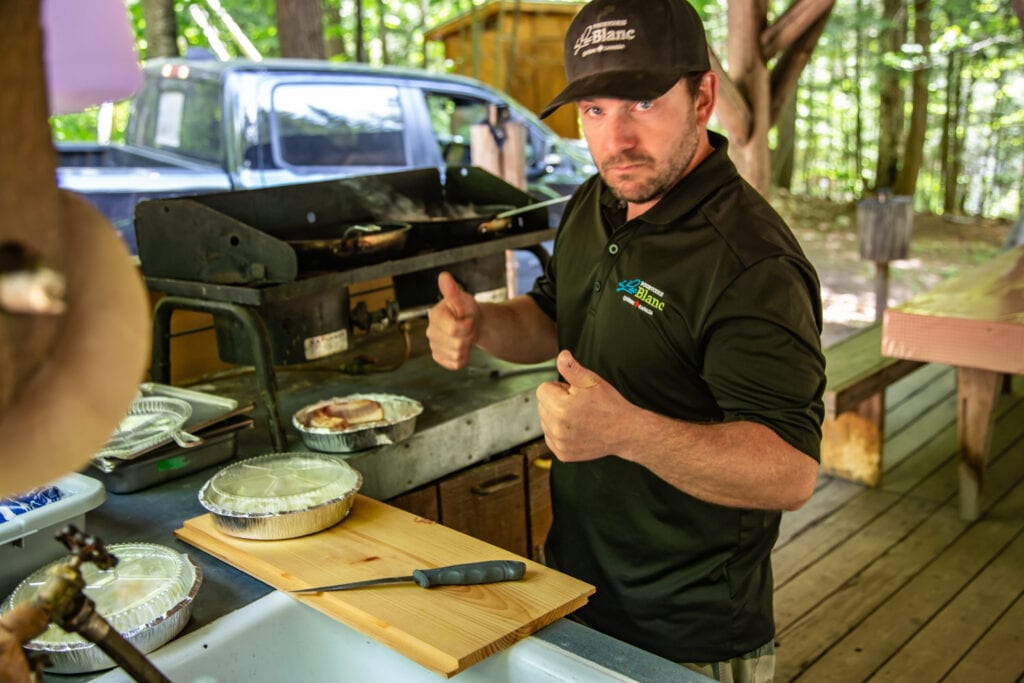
28	541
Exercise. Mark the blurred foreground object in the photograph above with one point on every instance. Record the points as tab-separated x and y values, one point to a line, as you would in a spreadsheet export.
89	53
68	375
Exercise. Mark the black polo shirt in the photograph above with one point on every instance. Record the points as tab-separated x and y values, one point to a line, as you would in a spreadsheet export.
703	309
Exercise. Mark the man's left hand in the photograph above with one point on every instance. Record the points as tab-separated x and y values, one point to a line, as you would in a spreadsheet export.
585	417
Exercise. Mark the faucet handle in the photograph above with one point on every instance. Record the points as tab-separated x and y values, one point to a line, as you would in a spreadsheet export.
86	547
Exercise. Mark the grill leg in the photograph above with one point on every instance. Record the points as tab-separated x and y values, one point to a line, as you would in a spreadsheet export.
160	370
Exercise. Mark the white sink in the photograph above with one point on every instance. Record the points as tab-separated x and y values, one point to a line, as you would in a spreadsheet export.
276	639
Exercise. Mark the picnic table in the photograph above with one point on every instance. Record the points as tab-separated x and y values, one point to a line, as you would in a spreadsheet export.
975	322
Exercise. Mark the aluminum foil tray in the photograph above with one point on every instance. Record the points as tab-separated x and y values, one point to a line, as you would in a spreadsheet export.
399	423
147	598
281	495
149	422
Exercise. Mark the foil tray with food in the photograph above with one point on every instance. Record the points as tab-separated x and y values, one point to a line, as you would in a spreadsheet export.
357	422
147	597
281	495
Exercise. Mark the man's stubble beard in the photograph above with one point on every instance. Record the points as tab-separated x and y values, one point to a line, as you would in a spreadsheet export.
667	175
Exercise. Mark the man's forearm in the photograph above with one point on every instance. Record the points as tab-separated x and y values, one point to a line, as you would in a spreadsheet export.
517	331
737	464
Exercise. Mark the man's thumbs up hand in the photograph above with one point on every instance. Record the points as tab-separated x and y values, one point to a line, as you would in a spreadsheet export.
453	324
584	417
575	374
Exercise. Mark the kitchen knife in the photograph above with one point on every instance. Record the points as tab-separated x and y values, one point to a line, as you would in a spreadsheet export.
488	571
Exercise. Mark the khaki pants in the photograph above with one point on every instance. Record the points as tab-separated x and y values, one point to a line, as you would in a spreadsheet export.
757	666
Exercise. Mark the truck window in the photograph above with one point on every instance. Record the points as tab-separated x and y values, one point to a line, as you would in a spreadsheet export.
338	125
186	119
451	117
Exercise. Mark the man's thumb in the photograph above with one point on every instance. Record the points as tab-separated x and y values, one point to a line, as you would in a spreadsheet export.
454	295
574	373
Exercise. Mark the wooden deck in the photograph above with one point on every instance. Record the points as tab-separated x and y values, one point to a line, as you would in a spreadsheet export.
888	583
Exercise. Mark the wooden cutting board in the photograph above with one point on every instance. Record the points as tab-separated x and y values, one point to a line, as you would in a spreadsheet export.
445	629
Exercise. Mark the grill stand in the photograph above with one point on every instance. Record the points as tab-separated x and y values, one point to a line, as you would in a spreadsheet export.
160	370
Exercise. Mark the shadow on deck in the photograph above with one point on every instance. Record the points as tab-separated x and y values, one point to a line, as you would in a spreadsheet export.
888	583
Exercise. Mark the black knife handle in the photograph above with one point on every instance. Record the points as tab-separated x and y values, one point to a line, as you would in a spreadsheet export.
489	571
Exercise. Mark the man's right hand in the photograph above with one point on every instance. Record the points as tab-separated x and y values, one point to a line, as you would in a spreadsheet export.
454	324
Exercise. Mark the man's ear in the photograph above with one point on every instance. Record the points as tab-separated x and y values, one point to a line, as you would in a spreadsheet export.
707	96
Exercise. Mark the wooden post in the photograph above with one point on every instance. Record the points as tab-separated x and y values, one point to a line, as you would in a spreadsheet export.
498	146
881	288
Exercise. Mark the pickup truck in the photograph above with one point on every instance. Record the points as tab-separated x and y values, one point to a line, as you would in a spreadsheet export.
199	125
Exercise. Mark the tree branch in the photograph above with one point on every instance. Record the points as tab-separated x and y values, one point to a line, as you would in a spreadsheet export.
1018	8
796	21
787	70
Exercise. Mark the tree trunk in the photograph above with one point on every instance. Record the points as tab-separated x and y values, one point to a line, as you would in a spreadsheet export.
913	154
950	164
749	73
782	155
334	43
300	29
858	96
751	98
360	37
890	108
161	30
424	7
382	30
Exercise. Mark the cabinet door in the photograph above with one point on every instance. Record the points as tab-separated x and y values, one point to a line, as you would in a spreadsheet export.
538	485
421	502
488	502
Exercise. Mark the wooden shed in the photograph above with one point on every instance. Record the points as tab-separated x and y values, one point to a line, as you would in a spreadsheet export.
516	47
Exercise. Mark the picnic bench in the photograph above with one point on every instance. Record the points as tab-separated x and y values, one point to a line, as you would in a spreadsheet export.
974	322
857	375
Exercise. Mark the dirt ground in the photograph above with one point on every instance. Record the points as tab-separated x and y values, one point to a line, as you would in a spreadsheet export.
939	247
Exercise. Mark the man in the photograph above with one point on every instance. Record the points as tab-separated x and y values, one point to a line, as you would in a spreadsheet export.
686	321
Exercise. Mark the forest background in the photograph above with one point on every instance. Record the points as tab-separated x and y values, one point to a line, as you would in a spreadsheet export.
920	97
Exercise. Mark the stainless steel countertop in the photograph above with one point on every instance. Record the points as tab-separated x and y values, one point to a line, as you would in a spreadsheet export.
469	415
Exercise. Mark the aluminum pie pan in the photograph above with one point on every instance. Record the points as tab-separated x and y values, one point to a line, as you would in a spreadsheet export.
399	423
149	421
281	495
146	624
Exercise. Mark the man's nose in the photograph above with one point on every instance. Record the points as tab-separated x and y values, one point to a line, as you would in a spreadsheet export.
621	132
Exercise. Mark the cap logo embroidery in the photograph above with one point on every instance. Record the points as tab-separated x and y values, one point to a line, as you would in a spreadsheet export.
599	36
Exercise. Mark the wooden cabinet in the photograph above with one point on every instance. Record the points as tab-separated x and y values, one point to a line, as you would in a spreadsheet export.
488	502
538	487
505	501
421	502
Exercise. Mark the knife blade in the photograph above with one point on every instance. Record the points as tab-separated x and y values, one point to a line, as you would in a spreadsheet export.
487	571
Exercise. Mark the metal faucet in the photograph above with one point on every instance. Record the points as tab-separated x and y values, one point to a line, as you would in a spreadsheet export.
62	601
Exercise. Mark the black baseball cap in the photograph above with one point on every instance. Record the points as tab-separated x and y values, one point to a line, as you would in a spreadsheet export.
631	50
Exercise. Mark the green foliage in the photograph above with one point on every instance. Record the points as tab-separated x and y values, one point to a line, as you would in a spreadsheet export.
838	99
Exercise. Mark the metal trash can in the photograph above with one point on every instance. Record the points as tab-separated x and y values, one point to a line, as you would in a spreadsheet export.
884	225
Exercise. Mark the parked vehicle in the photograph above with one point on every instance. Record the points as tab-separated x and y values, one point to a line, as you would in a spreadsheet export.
202	125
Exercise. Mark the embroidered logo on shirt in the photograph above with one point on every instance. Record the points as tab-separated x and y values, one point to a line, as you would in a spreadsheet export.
642	296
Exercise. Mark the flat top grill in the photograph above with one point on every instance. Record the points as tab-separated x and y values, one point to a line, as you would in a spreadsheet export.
215	246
